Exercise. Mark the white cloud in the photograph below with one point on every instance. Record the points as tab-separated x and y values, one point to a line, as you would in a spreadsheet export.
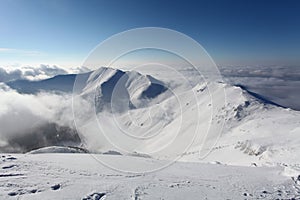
24	118
10	73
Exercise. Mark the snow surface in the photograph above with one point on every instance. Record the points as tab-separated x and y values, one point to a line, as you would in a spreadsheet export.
80	176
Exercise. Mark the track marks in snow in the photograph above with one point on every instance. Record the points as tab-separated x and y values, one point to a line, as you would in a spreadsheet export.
95	196
180	184
138	192
10	175
9	166
55	187
23	191
5	158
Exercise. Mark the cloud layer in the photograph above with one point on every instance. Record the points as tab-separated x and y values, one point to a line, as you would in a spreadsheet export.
30	121
278	84
36	73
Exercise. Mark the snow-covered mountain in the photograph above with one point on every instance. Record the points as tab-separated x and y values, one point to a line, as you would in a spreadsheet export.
118	89
135	122
255	131
139	113
59	83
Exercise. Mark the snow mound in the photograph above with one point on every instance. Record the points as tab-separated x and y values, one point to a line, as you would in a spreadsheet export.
110	152
58	149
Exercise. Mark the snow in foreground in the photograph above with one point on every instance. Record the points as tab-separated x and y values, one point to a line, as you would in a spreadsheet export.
81	176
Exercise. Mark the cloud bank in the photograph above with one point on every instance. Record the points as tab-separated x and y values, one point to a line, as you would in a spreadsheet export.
278	84
30	121
36	73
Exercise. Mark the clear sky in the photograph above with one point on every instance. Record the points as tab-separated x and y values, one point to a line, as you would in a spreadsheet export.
63	32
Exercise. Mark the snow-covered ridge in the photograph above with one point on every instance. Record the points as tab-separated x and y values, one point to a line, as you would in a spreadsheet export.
116	87
58	149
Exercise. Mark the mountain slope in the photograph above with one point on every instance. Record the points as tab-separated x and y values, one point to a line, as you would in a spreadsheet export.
60	83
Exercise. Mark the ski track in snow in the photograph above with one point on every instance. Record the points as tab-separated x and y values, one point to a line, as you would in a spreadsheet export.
80	176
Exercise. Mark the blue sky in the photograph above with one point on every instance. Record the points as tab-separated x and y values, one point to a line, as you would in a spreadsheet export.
63	32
